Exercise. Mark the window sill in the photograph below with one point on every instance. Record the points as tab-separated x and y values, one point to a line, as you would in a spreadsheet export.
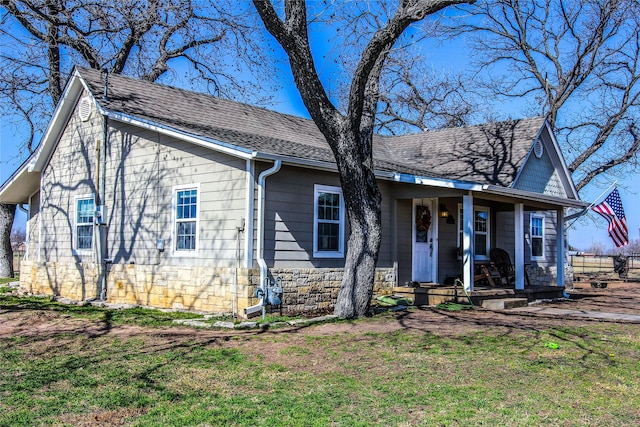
325	255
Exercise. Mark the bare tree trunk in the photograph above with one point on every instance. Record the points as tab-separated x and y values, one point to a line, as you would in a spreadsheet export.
363	204
349	135
7	213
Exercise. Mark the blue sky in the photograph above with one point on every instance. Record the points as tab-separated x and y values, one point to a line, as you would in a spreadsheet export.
582	234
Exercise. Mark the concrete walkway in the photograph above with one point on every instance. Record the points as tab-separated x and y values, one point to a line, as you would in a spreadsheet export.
562	312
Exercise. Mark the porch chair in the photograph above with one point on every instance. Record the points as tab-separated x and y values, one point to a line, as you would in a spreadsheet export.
502	262
486	273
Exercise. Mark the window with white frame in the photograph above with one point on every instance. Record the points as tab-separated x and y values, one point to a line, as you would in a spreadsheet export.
85	210
481	225
186	207
328	222
537	236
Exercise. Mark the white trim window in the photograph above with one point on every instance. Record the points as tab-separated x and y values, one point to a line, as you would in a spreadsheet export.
328	222
481	231
84	221
186	208
536	231
481	225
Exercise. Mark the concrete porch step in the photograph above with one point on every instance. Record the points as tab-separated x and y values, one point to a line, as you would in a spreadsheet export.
504	303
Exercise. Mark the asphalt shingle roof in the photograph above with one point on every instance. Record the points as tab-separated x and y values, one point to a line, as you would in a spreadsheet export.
486	154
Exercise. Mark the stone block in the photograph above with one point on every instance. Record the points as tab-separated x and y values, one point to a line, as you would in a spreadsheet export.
504	303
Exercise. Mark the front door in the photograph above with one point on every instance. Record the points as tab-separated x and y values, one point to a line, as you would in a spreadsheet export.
423	240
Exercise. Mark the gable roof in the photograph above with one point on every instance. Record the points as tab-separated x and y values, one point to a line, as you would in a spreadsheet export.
490	153
485	155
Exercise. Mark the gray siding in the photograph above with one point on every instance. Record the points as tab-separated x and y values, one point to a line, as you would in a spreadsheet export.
32	227
71	172
142	169
539	175
550	239
145	167
505	232
404	209
449	265
289	219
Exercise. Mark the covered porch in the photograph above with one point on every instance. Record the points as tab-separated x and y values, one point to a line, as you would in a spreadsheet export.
458	236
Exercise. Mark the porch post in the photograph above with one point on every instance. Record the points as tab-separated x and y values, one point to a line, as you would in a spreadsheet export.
519	244
560	246
467	239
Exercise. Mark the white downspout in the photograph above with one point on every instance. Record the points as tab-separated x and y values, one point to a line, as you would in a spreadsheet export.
248	241
260	234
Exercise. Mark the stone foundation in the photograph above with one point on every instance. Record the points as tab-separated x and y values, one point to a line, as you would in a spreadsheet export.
542	276
204	289
317	289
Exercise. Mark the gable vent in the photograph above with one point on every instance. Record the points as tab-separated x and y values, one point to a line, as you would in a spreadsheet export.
84	109
538	149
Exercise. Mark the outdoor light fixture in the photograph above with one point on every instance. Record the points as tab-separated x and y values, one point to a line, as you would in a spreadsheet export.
444	212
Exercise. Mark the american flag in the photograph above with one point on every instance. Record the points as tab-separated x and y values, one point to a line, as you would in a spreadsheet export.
611	209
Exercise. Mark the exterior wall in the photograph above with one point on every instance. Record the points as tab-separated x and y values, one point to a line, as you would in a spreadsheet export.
77	281
289	219
404	213
288	224
449	263
539	175
505	232
202	289
542	272
143	171
32	227
311	289
70	172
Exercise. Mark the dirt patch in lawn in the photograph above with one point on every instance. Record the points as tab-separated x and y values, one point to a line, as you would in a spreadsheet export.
618	297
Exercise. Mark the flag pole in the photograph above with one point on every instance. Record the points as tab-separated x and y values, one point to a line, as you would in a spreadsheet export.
577	215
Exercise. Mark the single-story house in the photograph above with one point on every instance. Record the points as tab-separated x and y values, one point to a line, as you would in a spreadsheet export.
148	194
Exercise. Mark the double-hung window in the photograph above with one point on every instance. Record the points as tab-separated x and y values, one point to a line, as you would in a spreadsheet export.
537	236
85	210
481	236
186	207
328	224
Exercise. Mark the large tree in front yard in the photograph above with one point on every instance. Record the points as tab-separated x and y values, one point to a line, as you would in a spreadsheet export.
349	133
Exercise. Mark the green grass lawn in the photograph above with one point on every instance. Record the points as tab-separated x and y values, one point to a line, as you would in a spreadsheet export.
499	376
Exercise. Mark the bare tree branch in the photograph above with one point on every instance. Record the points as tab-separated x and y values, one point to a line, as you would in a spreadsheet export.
579	59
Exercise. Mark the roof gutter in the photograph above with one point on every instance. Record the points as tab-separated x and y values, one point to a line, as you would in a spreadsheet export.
535	197
430	181
482	188
178	134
